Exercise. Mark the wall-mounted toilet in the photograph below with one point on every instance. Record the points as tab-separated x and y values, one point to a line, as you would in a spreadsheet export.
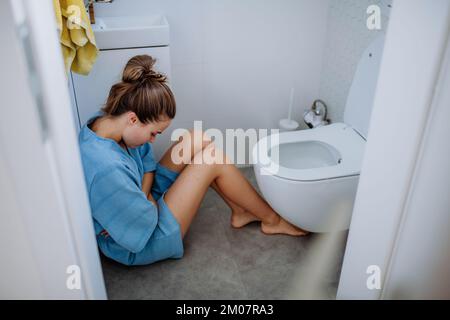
317	170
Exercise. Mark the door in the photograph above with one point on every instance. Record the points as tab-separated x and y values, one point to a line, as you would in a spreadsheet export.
47	237
398	245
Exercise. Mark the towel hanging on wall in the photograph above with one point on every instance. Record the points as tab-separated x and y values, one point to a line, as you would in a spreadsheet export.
76	36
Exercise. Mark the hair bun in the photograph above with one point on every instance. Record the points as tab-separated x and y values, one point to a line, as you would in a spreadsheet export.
140	69
152	75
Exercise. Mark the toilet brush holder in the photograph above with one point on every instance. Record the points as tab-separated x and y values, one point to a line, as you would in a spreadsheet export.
288	125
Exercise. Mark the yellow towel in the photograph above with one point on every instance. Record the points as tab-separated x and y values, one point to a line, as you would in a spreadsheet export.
76	36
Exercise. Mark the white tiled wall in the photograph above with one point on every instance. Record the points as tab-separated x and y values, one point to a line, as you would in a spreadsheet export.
235	61
347	38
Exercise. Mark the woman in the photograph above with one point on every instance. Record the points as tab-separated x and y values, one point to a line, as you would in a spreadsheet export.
143	209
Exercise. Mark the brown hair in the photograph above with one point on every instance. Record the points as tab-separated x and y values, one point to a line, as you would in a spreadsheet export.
143	91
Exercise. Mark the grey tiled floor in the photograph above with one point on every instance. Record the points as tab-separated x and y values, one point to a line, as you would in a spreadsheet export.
222	263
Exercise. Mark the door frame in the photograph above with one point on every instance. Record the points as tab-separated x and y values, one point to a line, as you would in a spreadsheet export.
407	94
56	215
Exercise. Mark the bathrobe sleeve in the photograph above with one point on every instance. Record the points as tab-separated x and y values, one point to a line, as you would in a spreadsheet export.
122	209
148	161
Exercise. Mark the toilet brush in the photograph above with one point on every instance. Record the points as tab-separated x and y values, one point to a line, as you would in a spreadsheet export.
289	124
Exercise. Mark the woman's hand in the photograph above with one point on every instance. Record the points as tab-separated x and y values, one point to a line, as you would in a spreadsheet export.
151	199
147	183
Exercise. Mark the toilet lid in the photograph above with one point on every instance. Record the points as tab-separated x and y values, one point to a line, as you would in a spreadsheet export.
345	148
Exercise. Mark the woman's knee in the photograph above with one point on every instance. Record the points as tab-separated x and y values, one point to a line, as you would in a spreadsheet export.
188	145
196	140
211	155
200	140
196	147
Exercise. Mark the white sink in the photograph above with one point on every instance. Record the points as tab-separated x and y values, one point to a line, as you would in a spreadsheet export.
131	32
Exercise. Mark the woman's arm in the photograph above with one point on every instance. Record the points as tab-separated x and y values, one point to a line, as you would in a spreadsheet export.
147	183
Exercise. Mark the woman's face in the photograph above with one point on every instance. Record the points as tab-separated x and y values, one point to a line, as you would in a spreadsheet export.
137	133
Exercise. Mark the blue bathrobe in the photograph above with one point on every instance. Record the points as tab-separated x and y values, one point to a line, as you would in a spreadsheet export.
138	232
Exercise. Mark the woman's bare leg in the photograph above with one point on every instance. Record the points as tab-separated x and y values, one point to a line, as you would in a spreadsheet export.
191	142
239	216
185	195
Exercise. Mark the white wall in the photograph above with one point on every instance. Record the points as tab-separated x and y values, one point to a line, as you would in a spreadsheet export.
347	38
234	61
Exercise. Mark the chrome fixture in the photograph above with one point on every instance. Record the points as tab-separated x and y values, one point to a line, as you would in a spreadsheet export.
89	4
320	108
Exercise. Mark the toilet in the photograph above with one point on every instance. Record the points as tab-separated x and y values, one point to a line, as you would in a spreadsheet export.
310	177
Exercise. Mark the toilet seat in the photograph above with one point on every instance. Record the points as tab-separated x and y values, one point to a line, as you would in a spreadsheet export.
340	136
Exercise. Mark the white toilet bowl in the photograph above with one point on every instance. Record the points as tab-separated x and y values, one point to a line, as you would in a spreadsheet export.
317	176
310	177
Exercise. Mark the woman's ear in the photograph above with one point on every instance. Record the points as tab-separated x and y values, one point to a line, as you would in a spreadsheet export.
132	118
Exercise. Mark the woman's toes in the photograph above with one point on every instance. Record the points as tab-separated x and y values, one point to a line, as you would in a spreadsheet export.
283	227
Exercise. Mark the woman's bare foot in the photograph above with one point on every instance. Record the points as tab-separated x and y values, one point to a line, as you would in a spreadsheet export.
282	227
240	218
